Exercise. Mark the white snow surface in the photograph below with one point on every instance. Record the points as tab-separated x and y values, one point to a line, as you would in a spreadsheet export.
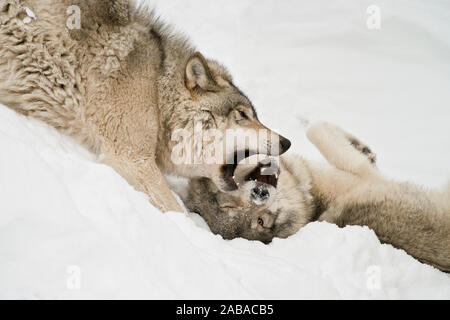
73	228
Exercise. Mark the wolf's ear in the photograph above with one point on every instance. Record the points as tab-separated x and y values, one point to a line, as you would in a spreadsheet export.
118	11
198	73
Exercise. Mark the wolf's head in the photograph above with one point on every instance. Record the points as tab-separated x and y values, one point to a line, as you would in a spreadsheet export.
270	202
224	126
206	124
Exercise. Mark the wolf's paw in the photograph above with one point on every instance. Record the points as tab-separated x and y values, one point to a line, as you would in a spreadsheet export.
364	149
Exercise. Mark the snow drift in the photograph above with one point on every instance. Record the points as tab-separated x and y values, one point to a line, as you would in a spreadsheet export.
73	228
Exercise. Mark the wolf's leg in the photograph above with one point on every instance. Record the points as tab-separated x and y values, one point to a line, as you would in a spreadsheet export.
145	176
331	215
342	149
157	188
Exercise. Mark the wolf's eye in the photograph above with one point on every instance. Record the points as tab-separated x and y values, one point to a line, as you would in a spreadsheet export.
261	222
227	207
243	115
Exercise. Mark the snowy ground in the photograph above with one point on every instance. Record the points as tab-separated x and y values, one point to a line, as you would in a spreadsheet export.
72	228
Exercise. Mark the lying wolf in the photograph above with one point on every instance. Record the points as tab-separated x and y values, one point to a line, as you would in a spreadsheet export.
119	81
348	191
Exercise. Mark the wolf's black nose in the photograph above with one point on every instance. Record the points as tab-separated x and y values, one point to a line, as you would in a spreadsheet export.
285	144
260	194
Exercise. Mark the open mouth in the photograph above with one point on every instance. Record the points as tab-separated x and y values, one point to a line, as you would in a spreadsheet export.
266	172
229	169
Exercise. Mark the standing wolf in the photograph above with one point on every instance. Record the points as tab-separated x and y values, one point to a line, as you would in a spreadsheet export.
348	191
121	83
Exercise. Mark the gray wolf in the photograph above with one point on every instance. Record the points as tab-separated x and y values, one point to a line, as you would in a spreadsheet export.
121	83
349	190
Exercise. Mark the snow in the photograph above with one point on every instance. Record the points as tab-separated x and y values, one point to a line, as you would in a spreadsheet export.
73	228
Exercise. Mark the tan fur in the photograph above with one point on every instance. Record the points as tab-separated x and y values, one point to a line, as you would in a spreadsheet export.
347	191
121	85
